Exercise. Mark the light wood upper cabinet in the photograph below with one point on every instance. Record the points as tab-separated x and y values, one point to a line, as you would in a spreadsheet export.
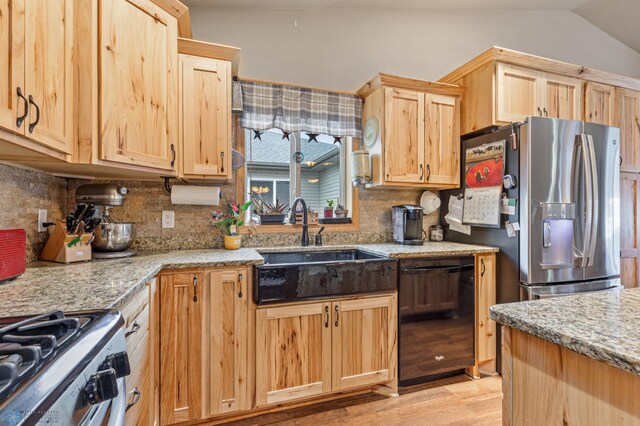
48	77
205	98
599	103
518	93
404	136
293	352
563	97
138	84
442	136
226	342
364	342
523	92
181	346
416	125
12	105
627	118
36	77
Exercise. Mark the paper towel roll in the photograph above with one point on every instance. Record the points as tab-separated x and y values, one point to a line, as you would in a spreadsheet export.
196	195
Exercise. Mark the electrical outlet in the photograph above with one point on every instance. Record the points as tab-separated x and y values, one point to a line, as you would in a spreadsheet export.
42	218
168	219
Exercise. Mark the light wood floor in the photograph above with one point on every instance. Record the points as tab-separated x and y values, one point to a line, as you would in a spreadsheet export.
473	403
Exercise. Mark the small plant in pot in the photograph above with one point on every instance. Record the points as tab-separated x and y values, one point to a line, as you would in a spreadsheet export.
229	222
328	211
340	210
270	214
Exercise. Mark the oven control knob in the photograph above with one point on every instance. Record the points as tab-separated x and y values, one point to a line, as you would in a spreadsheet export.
119	362
102	386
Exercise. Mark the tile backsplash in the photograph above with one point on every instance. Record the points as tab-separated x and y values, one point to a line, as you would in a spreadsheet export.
24	191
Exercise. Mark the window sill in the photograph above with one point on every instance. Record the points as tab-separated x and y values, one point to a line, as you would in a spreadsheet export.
295	229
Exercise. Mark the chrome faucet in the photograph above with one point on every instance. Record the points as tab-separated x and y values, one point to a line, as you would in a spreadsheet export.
305	219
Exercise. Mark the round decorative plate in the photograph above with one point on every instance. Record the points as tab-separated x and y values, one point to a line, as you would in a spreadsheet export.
370	133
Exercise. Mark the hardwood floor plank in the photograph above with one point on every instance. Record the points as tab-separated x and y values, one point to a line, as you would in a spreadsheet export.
466	403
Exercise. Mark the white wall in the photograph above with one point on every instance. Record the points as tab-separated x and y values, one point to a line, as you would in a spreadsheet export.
341	49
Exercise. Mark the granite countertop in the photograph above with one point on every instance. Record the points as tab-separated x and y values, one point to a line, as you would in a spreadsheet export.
602	326
107	284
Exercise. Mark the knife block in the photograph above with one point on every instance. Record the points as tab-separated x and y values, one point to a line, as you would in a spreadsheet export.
57	248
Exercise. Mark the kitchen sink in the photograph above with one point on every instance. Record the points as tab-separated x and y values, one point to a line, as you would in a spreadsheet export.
288	276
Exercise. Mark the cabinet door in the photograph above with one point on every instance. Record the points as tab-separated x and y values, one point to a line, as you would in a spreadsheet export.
629	238
12	106
442	134
364	341
181	307
293	352
485	298
628	120
48	74
599	101
519	93
404	136
206	117
225	327
138	84
562	97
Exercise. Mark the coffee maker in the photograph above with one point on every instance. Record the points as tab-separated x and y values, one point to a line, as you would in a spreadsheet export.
407	225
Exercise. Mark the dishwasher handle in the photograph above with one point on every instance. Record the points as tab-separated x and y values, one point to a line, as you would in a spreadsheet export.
449	269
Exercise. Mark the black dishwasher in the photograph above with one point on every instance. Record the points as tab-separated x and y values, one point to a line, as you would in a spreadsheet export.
436	304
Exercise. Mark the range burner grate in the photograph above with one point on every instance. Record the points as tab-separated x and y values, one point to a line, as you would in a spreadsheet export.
25	343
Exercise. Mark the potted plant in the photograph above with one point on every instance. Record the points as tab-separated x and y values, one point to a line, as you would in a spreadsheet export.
229	222
328	211
270	214
340	210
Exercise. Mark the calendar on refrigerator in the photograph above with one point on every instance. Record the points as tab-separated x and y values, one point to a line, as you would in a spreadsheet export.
482	206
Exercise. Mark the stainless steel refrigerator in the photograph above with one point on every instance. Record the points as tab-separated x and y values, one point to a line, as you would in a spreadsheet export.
566	177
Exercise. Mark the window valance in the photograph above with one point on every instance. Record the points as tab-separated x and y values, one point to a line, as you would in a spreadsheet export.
298	109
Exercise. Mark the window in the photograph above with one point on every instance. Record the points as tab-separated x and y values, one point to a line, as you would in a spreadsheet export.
280	169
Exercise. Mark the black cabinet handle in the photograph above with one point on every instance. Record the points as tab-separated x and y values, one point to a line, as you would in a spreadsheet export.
421	172
326	319
35	123
546	114
20	119
136	397
539	112
240	282
483	268
337	315
134	329
428	171
173	156
621	160
195	288
221	161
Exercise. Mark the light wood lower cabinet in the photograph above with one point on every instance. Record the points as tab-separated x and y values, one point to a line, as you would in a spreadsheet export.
204	343
141	337
485	277
313	349
364	342
181	346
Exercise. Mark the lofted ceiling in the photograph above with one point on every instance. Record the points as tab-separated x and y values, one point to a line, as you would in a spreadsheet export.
618	18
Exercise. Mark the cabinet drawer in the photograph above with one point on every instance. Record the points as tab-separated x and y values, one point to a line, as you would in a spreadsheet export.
139	380
136	319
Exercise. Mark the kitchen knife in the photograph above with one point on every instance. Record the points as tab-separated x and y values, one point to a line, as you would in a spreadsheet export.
71	221
92	224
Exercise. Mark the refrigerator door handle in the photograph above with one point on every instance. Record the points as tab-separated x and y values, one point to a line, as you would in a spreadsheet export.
546	234
587	181
595	202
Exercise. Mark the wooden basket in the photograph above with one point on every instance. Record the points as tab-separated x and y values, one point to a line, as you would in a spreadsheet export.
57	248
312	218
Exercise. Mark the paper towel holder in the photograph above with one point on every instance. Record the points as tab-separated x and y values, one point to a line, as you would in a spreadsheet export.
167	183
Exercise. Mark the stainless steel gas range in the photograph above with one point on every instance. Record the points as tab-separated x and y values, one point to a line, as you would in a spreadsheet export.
63	369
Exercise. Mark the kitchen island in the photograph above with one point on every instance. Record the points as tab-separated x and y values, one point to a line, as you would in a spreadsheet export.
572	360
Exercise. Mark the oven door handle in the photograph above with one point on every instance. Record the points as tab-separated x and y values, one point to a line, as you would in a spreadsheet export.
118	405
